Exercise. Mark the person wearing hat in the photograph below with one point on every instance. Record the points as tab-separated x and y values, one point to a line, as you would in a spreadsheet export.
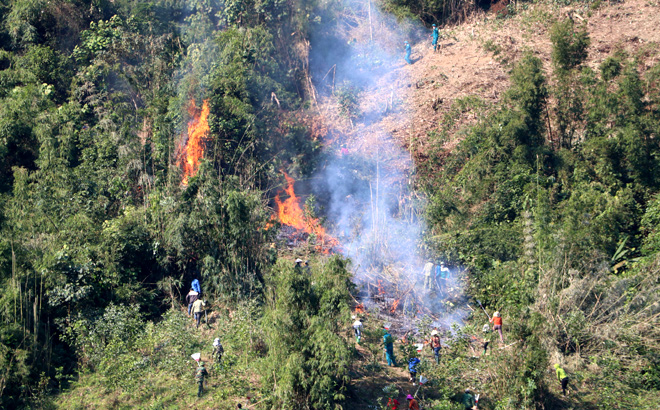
218	350
562	377
357	329
388	342
199	377
412	403
468	400
435	36
408	52
191	297
497	324
435	345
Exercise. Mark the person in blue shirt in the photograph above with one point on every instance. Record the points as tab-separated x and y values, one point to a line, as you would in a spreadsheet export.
413	362
435	36
408	52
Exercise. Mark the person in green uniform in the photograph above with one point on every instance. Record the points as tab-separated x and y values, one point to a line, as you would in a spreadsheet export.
468	400
199	377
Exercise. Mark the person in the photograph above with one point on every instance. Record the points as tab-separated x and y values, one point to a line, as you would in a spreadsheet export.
344	150
435	345
563	379
497	324
468	400
357	329
436	35
298	267
441	273
392	404
199	377
412	403
413	362
408	52
218	350
388	342
198	308
195	286
428	280
191	297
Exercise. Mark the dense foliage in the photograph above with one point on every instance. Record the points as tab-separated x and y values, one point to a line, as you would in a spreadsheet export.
94	99
550	201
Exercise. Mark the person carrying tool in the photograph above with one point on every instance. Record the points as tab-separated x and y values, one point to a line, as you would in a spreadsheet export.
199	377
191	297
408	52
435	345
413	362
388	342
468	400
357	329
496	320
435	36
198	308
412	403
562	377
428	280
218	350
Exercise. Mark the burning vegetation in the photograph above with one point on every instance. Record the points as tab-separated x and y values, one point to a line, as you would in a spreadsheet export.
299	225
192	152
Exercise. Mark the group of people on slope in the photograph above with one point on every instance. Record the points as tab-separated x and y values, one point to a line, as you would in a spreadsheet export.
435	37
201	373
195	303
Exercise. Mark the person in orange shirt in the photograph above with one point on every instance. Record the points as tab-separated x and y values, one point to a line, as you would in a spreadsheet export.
497	324
412	403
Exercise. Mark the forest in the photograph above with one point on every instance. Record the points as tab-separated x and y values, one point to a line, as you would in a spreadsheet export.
547	198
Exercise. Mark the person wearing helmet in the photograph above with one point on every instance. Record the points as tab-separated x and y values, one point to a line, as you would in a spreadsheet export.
562	377
412	403
497	324
435	345
468	400
408	52
199	377
435	36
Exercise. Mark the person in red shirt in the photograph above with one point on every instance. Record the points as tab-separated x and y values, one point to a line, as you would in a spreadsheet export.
497	324
412	403
392	404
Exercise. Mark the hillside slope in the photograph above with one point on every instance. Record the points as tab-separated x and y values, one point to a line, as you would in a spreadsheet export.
424	108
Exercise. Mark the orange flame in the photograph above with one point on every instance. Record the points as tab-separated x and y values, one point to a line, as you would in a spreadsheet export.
198	131
395	305
290	213
381	288
360	308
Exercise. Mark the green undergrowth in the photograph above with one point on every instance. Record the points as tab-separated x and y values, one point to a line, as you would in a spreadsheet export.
284	352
